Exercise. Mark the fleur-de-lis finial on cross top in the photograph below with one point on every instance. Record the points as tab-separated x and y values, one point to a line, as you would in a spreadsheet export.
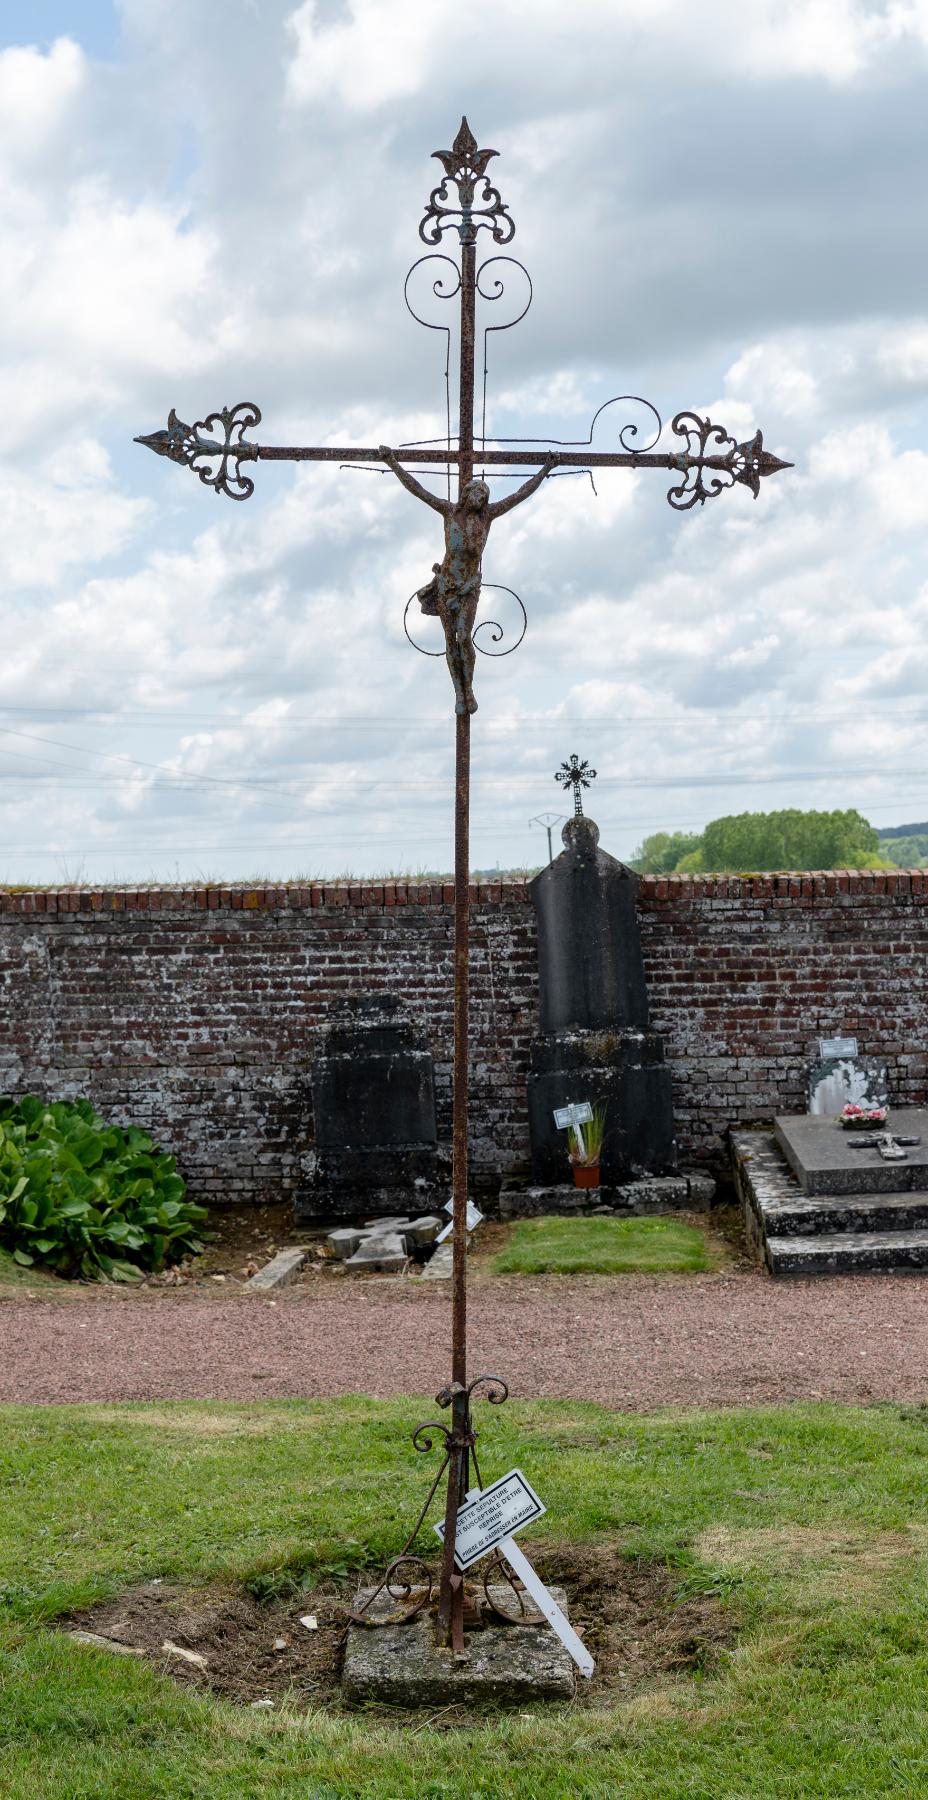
575	774
465	165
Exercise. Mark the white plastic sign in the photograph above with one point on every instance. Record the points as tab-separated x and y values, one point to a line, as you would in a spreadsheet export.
474	1218
831	1049
576	1114
493	1514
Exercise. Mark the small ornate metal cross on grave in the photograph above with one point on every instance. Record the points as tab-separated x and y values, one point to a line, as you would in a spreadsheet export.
706	461
577	775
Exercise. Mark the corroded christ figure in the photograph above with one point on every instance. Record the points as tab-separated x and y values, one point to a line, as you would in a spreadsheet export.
453	594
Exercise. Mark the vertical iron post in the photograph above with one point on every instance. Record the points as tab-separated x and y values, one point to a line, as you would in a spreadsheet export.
451	1589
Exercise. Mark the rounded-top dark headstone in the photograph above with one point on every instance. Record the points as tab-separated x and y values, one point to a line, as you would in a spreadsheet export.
595	1043
591	969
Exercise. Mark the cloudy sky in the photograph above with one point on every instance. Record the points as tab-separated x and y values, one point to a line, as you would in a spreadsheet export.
722	207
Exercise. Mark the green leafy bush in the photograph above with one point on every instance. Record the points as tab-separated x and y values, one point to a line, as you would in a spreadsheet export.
88	1198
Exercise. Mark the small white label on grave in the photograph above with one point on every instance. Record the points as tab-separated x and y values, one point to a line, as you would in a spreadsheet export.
578	1113
474	1218
494	1514
830	1049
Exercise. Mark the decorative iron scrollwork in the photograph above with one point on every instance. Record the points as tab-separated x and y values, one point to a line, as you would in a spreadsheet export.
480	205
497	634
575	774
713	461
216	460
498	1570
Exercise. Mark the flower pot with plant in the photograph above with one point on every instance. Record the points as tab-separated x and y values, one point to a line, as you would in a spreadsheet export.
587	1147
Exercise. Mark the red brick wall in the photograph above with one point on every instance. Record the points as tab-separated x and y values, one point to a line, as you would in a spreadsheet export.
193	1011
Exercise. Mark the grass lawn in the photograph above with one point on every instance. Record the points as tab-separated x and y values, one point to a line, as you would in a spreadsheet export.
600	1246
810	1524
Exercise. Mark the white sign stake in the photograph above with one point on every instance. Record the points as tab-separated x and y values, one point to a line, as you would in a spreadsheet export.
545	1602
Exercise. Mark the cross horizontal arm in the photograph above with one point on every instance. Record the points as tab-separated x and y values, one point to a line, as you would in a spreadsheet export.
710	461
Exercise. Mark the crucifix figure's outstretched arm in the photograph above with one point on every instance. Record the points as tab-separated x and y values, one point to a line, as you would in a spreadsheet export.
522	492
411	484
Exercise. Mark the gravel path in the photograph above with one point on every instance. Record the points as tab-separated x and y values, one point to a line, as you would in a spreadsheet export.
634	1342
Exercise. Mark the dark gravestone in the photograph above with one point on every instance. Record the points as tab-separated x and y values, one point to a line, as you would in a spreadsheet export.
596	1043
374	1105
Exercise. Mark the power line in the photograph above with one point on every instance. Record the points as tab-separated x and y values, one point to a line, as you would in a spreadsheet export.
569	721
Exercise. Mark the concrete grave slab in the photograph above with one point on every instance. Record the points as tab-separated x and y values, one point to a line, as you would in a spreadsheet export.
824	1160
401	1665
440	1266
344	1241
281	1269
424	1231
386	1252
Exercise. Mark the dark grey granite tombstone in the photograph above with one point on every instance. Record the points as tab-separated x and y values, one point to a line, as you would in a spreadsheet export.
374	1106
826	1159
595	1043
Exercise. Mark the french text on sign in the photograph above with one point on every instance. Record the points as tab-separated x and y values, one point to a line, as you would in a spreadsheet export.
492	1515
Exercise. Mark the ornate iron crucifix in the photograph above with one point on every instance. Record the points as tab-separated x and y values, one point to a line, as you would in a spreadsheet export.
707	461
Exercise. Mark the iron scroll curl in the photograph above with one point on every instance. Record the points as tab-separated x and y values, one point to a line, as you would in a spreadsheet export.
496	630
497	287
437	286
201	449
497	634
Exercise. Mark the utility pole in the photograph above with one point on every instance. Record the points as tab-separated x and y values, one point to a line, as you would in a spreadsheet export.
548	820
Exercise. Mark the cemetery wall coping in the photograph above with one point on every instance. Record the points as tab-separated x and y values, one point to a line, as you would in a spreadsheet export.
680	890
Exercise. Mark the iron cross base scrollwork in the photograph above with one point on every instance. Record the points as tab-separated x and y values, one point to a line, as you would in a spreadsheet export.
408	1580
706	461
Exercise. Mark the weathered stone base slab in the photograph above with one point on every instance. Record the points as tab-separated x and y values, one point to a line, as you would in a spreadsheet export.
651	1195
827	1160
401	1665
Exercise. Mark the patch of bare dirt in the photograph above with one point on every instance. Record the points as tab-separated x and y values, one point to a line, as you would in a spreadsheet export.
725	1225
633	1618
641	1633
248	1649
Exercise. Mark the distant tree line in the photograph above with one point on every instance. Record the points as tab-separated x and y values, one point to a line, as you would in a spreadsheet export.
909	852
791	839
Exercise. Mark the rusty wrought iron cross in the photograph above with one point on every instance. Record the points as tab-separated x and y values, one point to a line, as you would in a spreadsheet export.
706	461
